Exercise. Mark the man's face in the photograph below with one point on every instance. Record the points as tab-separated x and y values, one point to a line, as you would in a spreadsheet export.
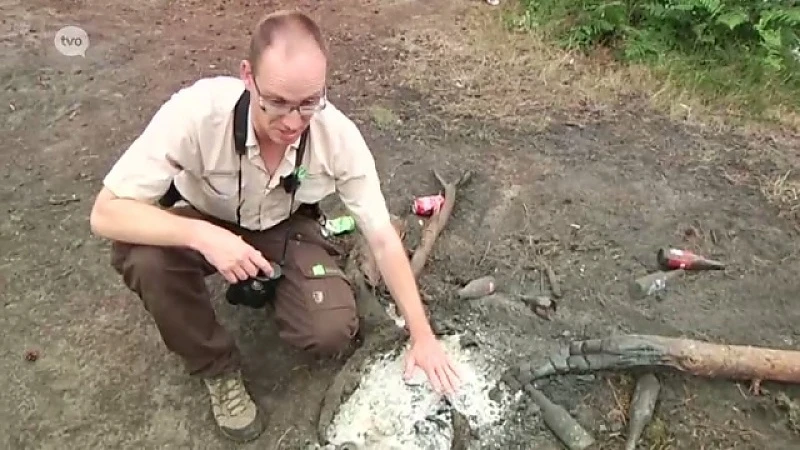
287	90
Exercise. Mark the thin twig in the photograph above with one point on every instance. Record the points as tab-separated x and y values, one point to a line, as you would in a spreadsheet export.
283	436
551	277
485	253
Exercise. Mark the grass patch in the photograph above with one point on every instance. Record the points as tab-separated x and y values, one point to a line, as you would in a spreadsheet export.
742	55
783	191
383	118
487	65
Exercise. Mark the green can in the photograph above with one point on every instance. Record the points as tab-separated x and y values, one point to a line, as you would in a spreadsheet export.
339	225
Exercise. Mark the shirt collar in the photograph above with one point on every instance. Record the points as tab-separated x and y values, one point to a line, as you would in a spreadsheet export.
251	144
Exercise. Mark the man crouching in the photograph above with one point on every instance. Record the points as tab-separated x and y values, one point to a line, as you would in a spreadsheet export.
251	158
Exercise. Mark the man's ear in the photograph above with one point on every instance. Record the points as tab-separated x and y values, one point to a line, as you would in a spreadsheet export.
246	73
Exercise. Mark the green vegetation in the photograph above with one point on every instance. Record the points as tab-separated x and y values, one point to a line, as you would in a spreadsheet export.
746	52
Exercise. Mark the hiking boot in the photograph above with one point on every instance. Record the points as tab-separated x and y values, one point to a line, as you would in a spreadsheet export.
234	410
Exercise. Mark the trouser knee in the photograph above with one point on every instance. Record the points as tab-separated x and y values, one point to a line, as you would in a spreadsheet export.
333	334
171	284
325	333
140	265
145	266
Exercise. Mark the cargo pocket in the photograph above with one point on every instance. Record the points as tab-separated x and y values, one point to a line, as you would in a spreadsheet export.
317	308
323	284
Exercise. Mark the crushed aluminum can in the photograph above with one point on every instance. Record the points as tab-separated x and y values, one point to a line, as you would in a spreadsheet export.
426	206
339	225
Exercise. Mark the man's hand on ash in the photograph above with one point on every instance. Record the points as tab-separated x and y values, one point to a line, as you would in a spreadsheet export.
427	354
234	258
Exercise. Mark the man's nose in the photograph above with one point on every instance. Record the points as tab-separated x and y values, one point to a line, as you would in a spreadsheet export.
293	120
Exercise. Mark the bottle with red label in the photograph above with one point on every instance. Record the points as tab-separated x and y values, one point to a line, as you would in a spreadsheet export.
673	258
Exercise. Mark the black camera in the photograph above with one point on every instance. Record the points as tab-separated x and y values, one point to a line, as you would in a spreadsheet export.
256	291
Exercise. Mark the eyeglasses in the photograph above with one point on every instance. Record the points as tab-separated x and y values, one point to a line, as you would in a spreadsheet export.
281	108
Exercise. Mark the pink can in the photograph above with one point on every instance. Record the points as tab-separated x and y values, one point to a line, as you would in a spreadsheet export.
425	206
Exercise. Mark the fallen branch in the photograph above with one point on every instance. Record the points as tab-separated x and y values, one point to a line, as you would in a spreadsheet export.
437	222
371	312
366	260
362	271
737	362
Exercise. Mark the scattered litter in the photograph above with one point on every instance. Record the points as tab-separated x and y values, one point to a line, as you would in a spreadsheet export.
561	423
653	283
555	287
542	305
426	206
643	403
673	258
339	225
477	288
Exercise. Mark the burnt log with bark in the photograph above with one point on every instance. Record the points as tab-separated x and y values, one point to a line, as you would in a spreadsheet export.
704	359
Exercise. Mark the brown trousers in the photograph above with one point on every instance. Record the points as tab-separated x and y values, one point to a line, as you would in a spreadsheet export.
314	311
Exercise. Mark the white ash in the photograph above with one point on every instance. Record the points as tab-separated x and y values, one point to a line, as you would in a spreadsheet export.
391	310
387	413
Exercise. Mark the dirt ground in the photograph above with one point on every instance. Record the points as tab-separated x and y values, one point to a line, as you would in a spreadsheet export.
567	163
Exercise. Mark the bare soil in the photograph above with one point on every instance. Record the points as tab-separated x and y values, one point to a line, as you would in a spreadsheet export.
587	175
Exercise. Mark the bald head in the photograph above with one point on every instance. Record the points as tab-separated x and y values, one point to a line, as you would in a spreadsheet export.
286	68
285	34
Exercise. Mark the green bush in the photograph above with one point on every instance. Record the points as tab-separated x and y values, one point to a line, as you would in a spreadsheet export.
725	45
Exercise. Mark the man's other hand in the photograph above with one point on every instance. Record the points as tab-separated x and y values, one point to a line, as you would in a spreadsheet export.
428	355
234	258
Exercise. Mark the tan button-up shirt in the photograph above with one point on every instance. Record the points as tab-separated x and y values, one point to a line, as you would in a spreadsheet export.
190	140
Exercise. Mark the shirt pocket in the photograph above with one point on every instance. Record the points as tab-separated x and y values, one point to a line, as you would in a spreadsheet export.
221	183
220	193
314	188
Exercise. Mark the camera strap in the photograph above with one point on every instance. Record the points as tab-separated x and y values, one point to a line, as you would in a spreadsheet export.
291	186
290	183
